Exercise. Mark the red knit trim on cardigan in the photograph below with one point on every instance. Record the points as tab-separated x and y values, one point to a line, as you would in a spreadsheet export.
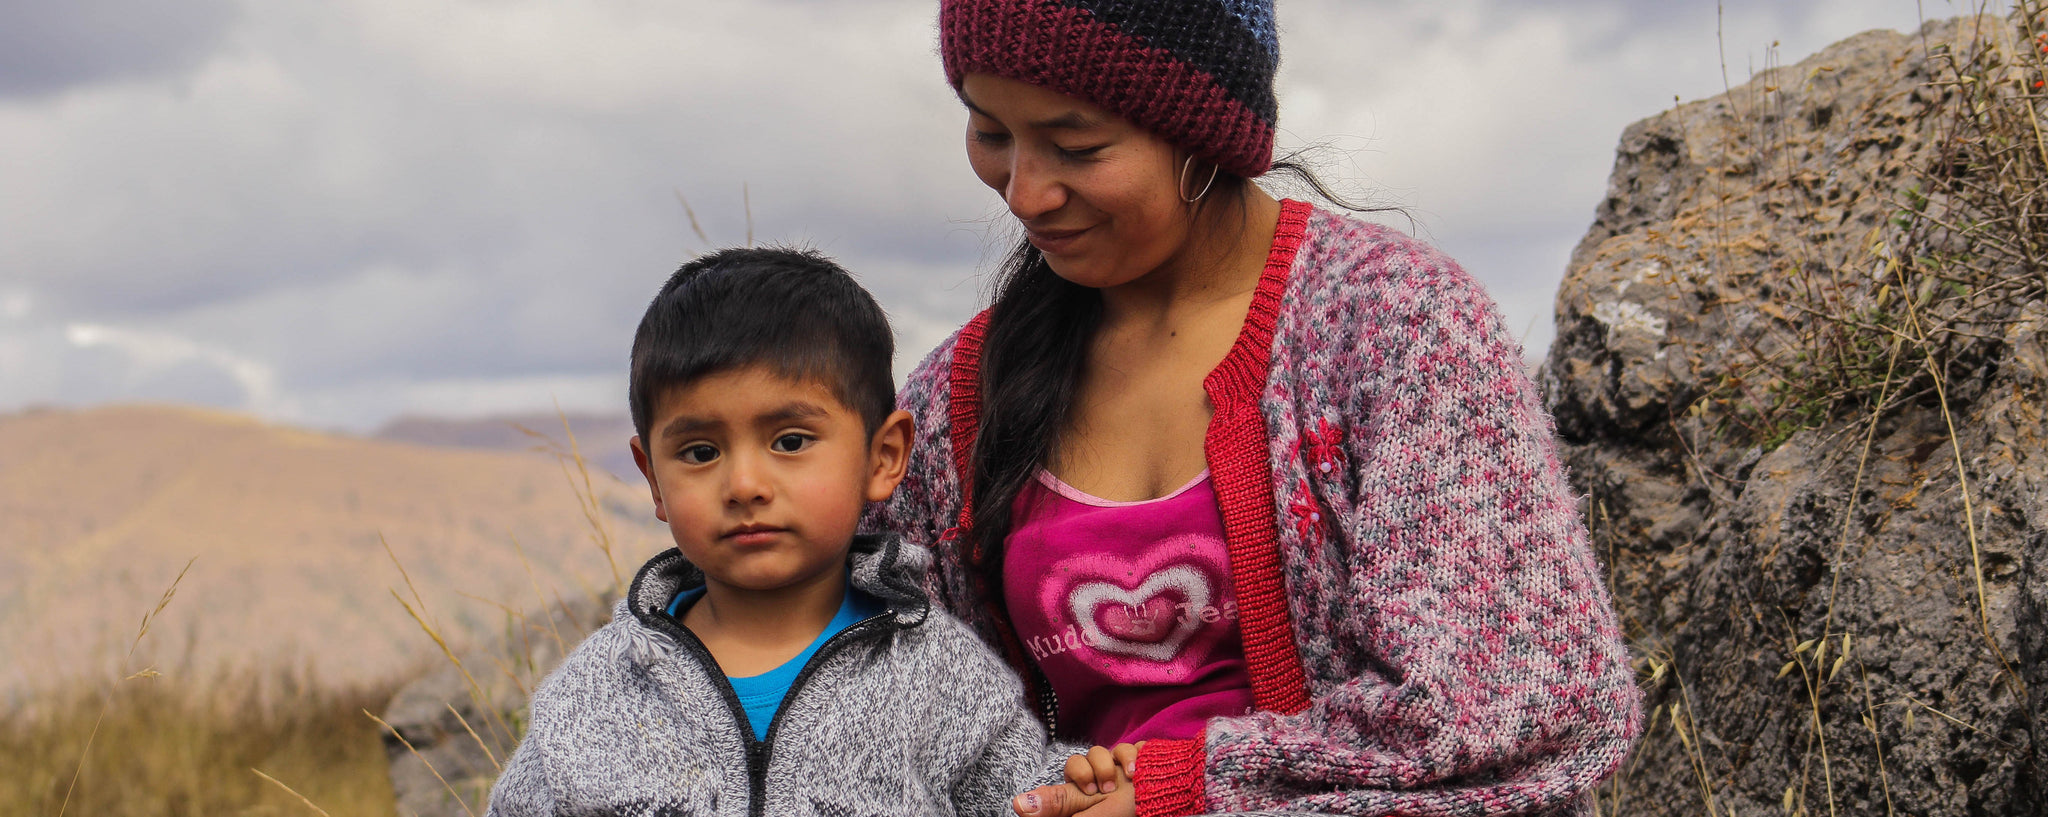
1168	777
965	397
1242	470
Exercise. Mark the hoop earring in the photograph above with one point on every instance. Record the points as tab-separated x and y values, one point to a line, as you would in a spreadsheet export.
1184	166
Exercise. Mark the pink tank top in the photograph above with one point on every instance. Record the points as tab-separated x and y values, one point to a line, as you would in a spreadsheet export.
1128	608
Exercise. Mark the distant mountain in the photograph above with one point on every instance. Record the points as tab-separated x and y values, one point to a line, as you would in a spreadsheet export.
100	508
601	438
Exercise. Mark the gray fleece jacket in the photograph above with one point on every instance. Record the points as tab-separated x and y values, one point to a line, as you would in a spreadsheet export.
904	713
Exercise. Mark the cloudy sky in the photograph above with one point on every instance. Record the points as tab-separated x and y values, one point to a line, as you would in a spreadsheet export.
334	213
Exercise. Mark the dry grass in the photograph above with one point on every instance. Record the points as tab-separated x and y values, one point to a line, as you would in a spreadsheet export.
172	746
148	743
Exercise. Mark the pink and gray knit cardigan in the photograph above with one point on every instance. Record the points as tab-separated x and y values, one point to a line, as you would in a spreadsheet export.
1426	628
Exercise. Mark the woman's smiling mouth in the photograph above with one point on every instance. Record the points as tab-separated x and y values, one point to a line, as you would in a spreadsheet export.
1054	242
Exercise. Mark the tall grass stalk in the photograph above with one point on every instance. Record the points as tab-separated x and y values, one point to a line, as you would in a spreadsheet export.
143	674
500	699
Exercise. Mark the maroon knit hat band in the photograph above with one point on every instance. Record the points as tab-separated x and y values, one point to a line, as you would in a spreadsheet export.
1074	51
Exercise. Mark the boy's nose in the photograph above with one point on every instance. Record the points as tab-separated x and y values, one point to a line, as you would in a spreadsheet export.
747	483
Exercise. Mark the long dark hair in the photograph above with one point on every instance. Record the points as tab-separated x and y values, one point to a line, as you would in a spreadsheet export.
1039	329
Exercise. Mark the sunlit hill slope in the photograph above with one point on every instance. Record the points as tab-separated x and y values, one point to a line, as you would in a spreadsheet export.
99	509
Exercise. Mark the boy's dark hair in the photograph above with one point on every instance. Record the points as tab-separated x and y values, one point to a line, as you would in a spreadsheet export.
794	311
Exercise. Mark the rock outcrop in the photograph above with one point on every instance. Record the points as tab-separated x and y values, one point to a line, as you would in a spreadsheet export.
1840	613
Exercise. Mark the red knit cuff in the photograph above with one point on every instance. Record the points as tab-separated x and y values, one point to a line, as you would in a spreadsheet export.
1169	779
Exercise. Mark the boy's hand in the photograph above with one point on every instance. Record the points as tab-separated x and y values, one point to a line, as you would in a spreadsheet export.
1096	772
1099	785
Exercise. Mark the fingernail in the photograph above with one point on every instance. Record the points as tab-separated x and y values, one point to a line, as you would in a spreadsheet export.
1109	787
1090	788
1027	801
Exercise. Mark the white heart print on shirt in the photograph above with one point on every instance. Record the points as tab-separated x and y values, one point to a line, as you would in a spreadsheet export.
1087	600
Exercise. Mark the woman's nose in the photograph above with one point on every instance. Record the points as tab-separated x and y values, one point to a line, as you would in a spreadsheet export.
1032	190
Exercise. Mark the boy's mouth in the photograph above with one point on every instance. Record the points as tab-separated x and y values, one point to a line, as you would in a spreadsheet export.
753	534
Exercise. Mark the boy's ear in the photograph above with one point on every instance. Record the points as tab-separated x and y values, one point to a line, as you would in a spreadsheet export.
889	454
646	465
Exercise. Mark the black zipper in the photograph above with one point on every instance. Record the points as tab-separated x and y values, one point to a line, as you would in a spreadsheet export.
760	750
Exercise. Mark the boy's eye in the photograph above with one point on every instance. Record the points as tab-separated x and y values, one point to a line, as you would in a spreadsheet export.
790	443
699	454
987	137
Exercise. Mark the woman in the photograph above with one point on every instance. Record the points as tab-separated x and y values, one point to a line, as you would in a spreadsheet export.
1261	485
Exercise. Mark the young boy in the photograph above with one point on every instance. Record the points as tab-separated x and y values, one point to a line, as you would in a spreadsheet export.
773	662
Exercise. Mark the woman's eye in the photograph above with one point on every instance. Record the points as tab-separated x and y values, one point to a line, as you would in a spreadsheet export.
1080	153
699	454
988	137
790	443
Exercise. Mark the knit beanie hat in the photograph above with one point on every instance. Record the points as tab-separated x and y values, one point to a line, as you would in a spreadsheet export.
1198	73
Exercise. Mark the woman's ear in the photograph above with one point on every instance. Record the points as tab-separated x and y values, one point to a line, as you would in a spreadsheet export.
889	454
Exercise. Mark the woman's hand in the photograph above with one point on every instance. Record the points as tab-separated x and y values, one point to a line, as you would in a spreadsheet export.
1098	785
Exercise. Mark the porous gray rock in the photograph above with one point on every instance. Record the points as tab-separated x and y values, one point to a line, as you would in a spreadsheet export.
1805	606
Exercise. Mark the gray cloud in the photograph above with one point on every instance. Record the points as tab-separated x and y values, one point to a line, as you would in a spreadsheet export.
47	47
484	191
461	206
